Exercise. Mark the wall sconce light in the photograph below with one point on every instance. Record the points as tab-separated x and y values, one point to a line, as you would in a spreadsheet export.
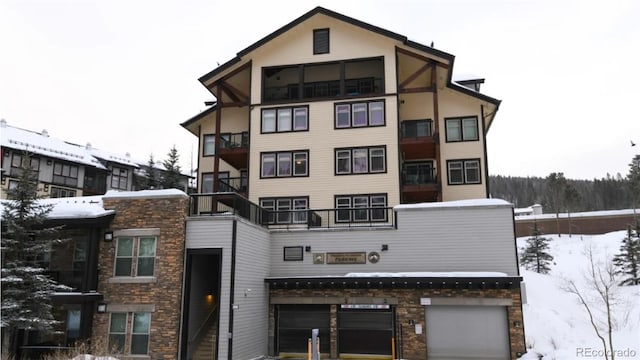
246	292
108	236
46	187
48	161
307	248
385	247
102	308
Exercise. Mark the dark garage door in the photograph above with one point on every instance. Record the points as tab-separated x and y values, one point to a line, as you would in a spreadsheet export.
295	323
365	331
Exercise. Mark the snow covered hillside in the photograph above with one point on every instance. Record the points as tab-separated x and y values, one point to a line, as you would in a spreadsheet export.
557	326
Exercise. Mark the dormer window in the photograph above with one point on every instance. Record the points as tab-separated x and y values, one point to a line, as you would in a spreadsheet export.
320	41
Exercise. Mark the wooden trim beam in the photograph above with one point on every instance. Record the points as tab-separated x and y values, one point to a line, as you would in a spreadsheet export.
415	75
420	57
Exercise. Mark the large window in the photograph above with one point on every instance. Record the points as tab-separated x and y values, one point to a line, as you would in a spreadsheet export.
135	326
208	145
365	160
359	114
464	171
16	165
418	173
58	192
119	178
289	210
135	256
65	174
284	164
462	129
207	183
361	208
285	119
416	128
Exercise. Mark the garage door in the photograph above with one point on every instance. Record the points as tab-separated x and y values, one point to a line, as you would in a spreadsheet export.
362	331
294	325
467	332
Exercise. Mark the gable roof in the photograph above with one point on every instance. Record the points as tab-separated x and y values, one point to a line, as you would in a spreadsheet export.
335	15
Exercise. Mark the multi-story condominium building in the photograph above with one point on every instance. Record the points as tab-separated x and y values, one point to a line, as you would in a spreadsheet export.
342	186
67	170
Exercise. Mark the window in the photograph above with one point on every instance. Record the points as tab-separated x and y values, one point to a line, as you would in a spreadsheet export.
463	171
135	256
65	174
73	326
119	178
418	173
279	164
285	119
58	192
16	164
79	254
285	210
207	183
366	160
320	41
462	129
208	145
359	114
361	208
139	332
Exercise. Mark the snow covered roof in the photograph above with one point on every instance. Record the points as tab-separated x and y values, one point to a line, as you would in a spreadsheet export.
43	144
113	157
113	194
471	203
462	77
84	207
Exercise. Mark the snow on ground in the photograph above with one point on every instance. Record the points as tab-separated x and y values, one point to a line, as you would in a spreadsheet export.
556	325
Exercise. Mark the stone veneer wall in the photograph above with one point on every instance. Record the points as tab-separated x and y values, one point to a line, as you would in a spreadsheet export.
408	308
164	295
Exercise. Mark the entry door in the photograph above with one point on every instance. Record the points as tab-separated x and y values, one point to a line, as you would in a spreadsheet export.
467	332
365	331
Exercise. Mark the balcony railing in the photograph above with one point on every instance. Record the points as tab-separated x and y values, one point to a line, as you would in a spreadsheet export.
416	128
71	278
235	140
230	203
423	177
233	184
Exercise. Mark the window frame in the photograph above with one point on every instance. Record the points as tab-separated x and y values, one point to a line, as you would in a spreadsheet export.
459	122
211	139
319	37
294	171
120	177
276	111
346	208
340	155
63	174
128	334
56	191
358	107
134	257
285	217
464	166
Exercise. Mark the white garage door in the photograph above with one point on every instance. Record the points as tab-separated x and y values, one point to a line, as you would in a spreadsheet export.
467	332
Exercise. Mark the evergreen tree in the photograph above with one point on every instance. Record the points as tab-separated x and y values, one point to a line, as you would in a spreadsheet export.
627	262
633	184
535	255
152	176
171	178
571	200
26	288
556	185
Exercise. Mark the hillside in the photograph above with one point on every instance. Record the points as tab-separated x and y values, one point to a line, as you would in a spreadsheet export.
556	324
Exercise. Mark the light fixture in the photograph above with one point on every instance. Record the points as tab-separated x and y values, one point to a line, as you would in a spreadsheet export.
385	247
108	236
307	248
102	308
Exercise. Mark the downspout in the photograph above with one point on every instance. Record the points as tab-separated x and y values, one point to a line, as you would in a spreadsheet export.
484	146
216	158
232	289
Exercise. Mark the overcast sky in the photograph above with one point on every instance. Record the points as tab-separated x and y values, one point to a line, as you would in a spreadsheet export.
122	74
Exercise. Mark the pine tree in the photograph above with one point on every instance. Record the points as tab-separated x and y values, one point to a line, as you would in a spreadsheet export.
627	262
152	176
633	184
535	255
26	288
171	178
571	200
556	185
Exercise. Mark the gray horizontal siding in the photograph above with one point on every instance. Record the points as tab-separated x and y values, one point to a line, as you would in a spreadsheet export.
442	240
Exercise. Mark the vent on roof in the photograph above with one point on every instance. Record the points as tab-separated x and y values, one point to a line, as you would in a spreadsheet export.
45	133
320	41
88	146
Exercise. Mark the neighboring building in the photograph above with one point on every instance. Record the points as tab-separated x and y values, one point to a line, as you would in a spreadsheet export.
68	170
535	209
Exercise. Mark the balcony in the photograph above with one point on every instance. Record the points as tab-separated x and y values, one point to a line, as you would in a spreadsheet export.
216	204
234	149
417	140
233	184
419	183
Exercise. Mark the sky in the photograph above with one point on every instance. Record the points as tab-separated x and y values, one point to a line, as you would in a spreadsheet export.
122	75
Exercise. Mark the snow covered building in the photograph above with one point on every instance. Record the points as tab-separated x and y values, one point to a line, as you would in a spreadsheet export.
336	169
65	169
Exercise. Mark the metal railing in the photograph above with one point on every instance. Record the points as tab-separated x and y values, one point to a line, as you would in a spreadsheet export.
230	203
420	177
235	140
233	184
